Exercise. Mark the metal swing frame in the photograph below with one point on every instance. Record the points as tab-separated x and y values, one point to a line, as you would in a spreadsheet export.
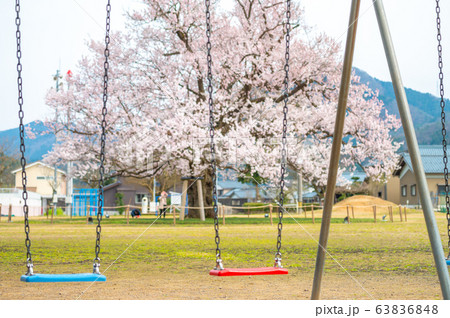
435	240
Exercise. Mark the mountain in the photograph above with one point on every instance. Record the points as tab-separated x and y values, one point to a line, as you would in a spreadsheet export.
35	148
425	110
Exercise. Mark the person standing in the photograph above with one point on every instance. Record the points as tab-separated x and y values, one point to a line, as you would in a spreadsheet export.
163	204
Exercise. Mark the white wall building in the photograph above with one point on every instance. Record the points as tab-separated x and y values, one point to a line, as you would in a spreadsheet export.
13	197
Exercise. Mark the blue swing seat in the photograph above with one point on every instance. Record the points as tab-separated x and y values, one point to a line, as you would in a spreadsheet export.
448	261
63	278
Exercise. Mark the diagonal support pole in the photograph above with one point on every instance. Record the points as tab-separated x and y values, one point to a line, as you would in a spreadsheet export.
411	141
336	148
413	148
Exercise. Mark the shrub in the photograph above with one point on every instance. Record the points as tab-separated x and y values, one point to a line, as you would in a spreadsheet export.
119	202
256	204
59	212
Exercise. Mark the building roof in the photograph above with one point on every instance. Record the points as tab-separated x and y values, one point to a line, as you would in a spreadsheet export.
231	184
112	185
432	159
244	194
41	164
310	195
7	192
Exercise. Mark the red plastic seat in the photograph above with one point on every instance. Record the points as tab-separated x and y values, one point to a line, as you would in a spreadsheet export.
249	271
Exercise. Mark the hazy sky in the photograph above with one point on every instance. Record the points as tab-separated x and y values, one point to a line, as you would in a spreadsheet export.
54	34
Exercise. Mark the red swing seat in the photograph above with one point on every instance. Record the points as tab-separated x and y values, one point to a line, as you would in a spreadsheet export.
249	271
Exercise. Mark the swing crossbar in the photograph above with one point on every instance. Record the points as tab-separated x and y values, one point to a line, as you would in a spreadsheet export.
63	278
249	271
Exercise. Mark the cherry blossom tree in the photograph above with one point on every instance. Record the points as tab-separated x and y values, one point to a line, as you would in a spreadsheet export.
158	114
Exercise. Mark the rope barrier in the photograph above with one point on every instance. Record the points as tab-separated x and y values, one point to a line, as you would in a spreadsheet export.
253	207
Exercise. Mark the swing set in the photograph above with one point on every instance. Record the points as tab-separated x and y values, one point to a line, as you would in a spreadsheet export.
277	269
30	276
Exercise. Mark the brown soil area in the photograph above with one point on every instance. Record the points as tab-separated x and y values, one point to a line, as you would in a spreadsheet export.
364	200
144	282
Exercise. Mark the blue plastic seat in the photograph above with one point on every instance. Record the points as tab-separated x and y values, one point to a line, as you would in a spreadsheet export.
448	262
63	278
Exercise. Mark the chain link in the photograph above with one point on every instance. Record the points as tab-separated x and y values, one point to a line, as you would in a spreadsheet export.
211	135
284	135
102	141
444	130
23	161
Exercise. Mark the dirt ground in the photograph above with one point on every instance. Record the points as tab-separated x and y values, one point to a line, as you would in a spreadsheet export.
140	282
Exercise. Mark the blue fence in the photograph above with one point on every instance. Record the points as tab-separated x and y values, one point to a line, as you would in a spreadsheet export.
84	202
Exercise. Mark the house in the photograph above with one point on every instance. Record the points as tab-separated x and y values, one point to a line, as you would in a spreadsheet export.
40	179
389	190
432	160
235	193
132	192
310	197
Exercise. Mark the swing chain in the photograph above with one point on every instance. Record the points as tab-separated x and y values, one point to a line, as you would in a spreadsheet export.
284	136
219	265
444	130
102	141
23	161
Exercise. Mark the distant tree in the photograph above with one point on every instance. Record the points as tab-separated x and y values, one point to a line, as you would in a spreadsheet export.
7	164
252	177
158	102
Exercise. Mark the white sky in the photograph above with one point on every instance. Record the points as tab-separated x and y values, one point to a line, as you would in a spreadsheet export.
54	34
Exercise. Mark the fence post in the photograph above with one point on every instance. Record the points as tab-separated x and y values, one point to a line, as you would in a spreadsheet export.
353	212
172	208
270	213
128	214
400	212
183	200
200	199
10	213
312	214
348	214
223	214
375	213
391	214
406	219
53	212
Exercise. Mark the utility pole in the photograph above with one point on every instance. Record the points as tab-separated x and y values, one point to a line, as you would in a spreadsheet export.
154	189
300	190
69	188
56	78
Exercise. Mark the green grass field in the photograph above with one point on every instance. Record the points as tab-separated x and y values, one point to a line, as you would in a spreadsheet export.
162	261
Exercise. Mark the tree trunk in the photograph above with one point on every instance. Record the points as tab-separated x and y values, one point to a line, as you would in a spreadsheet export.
207	197
193	200
207	193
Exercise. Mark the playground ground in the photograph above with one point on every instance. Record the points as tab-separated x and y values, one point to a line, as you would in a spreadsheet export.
383	260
